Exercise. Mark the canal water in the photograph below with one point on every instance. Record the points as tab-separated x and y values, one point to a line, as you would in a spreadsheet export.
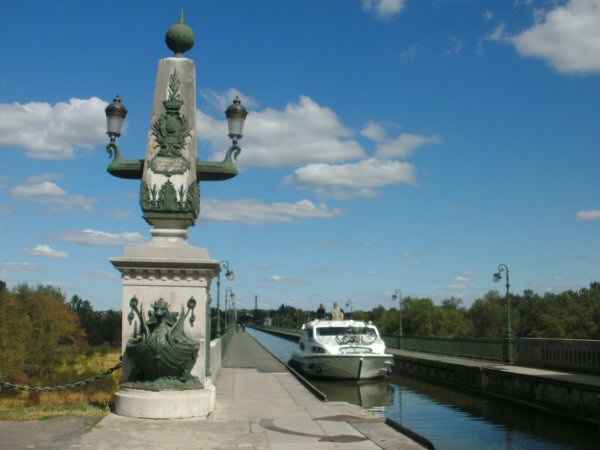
451	420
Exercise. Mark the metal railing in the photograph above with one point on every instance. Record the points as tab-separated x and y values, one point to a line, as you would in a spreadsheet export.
488	349
578	355
225	340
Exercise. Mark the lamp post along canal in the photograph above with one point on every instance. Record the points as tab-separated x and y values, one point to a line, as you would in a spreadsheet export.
229	297
398	297
230	275
510	358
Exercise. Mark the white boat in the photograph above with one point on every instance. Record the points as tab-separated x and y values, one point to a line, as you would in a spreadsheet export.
346	349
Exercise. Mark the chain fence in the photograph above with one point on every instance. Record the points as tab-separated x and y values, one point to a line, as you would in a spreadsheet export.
64	387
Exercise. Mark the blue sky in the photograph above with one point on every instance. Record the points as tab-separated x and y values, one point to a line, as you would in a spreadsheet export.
393	144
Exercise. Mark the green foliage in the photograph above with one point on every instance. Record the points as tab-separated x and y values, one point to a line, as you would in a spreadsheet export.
568	315
35	325
100	326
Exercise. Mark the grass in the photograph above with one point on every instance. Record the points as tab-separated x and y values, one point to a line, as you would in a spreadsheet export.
94	399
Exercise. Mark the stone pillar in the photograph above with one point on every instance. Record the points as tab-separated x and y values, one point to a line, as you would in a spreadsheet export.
166	337
168	268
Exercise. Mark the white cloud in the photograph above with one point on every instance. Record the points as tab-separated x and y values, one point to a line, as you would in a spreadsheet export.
499	34
101	238
46	251
255	212
48	131
286	280
6	268
303	132
221	100
46	176
465	276
401	147
404	145
567	37
102	274
457	287
413	258
120	214
332	244
375	131
455	46
412	51
588	215
383	9
39	190
360	179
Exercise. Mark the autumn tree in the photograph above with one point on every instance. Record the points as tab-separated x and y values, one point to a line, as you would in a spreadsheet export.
36	324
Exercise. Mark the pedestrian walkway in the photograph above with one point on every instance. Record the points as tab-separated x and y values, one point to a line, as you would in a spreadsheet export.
260	405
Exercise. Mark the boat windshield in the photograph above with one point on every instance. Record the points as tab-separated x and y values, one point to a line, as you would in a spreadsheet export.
335	331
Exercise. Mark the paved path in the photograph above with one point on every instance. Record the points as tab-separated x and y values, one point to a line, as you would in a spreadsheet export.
260	405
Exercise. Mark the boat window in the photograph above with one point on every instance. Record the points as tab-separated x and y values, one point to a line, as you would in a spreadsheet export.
334	331
331	331
371	331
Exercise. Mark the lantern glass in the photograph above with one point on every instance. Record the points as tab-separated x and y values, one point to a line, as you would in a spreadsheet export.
115	117
236	114
114	125
236	126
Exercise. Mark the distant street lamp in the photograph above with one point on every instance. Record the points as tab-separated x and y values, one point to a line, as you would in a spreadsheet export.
229	301
350	304
509	340
230	275
398	297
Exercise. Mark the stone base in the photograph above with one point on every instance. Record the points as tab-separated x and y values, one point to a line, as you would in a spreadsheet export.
143	404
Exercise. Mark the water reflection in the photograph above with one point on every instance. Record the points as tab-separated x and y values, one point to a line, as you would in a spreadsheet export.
451	419
368	394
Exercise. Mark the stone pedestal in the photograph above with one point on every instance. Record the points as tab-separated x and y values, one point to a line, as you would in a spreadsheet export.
168	268
166	404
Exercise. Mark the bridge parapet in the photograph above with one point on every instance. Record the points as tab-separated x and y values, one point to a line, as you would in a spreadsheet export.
565	354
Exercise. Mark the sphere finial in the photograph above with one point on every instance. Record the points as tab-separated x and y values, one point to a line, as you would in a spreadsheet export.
180	37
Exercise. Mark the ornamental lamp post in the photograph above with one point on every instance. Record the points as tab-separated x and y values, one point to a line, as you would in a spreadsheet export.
509	340
169	178
398	297
236	115
230	275
115	117
229	296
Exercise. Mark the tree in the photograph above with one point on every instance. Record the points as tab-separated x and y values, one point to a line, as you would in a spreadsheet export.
452	320
418	317
488	316
36	324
